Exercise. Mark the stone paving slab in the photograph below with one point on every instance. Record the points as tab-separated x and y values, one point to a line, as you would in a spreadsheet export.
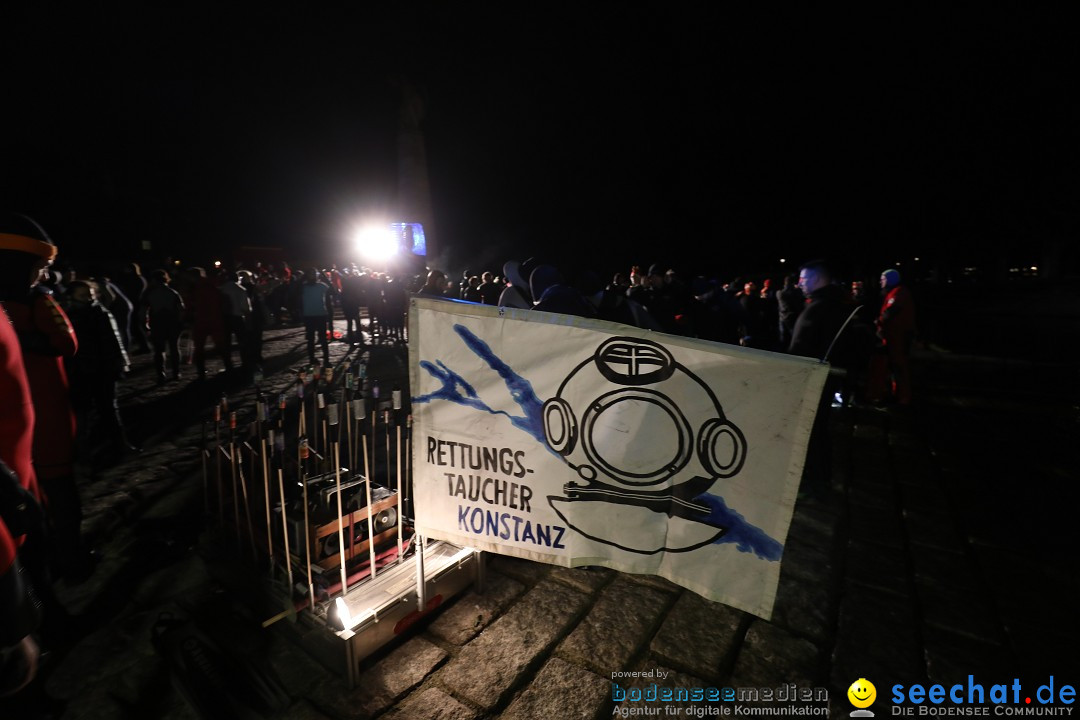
950	657
916	471
560	690
771	657
656	582
524	571
432	704
878	566
964	612
498	660
617	627
103	655
816	524
298	672
809	561
876	496
863	431
945	569
869	468
876	525
876	636
924	500
805	608
463	620
586	580
699	637
933	530
396	674
982	527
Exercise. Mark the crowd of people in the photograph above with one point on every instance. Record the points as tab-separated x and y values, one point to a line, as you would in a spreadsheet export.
799	314
66	336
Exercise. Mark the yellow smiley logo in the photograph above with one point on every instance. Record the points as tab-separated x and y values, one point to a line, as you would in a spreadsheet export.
862	693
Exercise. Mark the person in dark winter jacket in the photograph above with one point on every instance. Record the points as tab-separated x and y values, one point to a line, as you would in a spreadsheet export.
817	326
824	314
94	371
790	302
163	311
489	289
132	283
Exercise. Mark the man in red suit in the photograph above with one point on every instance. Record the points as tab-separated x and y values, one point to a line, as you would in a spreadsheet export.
18	650
46	339
896	328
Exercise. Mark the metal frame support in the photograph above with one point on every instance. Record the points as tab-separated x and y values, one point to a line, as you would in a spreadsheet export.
481	572
421	580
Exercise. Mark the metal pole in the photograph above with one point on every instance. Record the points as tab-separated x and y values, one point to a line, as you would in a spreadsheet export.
481	572
217	464
341	521
316	403
348	422
307	523
332	412
386	431
370	520
232	470
396	395
266	495
421	580
205	473
285	527
247	501
408	464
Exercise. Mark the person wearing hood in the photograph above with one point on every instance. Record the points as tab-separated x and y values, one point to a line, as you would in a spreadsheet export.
551	295
516	293
46	339
896	328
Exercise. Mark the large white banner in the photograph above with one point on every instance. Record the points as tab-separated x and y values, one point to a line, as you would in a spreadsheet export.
580	442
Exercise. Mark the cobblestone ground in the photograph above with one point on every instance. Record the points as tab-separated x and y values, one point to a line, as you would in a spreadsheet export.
942	551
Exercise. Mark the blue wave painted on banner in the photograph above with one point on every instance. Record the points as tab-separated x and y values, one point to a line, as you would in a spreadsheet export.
521	390
746	537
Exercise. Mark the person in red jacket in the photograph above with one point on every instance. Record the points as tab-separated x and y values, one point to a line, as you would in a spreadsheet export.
896	328
207	308
18	649
46	339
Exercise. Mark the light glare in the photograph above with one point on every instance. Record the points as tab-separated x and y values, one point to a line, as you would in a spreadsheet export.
376	243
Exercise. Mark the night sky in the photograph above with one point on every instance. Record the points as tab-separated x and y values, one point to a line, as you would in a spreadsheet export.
606	135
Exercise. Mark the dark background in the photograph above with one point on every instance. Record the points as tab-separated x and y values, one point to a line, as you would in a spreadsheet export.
698	138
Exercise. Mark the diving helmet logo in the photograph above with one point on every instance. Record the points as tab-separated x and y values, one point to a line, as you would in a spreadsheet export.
638	453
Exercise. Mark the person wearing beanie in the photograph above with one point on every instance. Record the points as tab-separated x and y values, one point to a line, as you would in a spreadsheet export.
896	328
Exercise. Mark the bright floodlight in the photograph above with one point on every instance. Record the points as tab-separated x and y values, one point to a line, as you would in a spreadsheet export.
376	243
